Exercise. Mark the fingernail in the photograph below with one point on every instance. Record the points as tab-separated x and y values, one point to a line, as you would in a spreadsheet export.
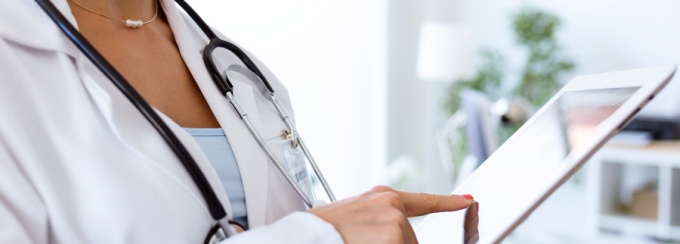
477	206
468	196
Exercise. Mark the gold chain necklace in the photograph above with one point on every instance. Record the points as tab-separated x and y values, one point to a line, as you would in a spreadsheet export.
128	22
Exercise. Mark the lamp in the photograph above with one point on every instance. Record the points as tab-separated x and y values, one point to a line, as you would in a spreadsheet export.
444	52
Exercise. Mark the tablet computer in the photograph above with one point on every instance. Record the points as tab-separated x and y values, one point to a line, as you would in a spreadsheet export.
546	151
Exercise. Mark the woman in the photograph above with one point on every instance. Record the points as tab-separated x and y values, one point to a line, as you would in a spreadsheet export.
79	164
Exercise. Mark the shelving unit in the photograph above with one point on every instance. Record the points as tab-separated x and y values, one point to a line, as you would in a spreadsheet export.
616	171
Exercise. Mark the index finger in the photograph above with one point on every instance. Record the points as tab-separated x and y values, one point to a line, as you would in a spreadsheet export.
417	204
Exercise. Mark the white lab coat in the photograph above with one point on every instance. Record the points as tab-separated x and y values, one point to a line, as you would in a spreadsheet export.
79	164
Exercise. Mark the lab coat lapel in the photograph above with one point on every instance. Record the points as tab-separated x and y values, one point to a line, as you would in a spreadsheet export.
34	28
252	162
134	131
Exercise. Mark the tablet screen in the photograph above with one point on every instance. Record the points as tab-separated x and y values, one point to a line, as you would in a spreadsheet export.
531	161
514	179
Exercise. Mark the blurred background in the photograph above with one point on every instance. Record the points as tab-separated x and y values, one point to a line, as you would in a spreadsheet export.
414	94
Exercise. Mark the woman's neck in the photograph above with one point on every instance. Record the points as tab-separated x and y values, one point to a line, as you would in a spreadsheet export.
121	9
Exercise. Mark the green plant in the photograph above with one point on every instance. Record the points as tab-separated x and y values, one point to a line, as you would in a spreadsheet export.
488	79
539	78
536	33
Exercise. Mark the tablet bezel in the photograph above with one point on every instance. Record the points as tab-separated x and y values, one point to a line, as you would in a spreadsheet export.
649	82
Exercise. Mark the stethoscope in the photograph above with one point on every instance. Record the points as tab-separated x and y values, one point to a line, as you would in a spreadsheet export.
221	230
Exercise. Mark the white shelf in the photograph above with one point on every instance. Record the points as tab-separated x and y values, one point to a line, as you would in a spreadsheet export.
657	153
614	167
675	233
628	225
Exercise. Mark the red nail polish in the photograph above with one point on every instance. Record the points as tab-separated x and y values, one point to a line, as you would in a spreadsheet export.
468	196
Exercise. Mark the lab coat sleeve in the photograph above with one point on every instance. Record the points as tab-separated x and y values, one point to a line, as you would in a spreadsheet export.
298	227
22	215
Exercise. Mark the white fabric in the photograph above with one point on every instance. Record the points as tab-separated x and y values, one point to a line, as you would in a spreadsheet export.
79	164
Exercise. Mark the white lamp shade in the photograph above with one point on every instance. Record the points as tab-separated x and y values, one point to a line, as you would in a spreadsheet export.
444	52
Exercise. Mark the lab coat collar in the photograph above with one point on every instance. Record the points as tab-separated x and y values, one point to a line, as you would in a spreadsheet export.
252	162
32	27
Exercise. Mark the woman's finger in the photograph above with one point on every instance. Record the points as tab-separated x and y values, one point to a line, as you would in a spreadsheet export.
416	204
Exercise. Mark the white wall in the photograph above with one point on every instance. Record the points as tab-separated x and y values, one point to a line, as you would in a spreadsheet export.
331	57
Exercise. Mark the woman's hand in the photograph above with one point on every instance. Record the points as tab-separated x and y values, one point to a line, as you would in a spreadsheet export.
380	215
237	228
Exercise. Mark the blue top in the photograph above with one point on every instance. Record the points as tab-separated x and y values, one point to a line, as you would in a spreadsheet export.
215	145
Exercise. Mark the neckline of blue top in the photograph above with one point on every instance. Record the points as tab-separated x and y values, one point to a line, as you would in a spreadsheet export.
205	131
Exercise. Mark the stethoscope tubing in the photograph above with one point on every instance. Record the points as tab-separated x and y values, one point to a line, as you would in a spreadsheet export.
297	141
270	155
224	85
316	169
214	205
